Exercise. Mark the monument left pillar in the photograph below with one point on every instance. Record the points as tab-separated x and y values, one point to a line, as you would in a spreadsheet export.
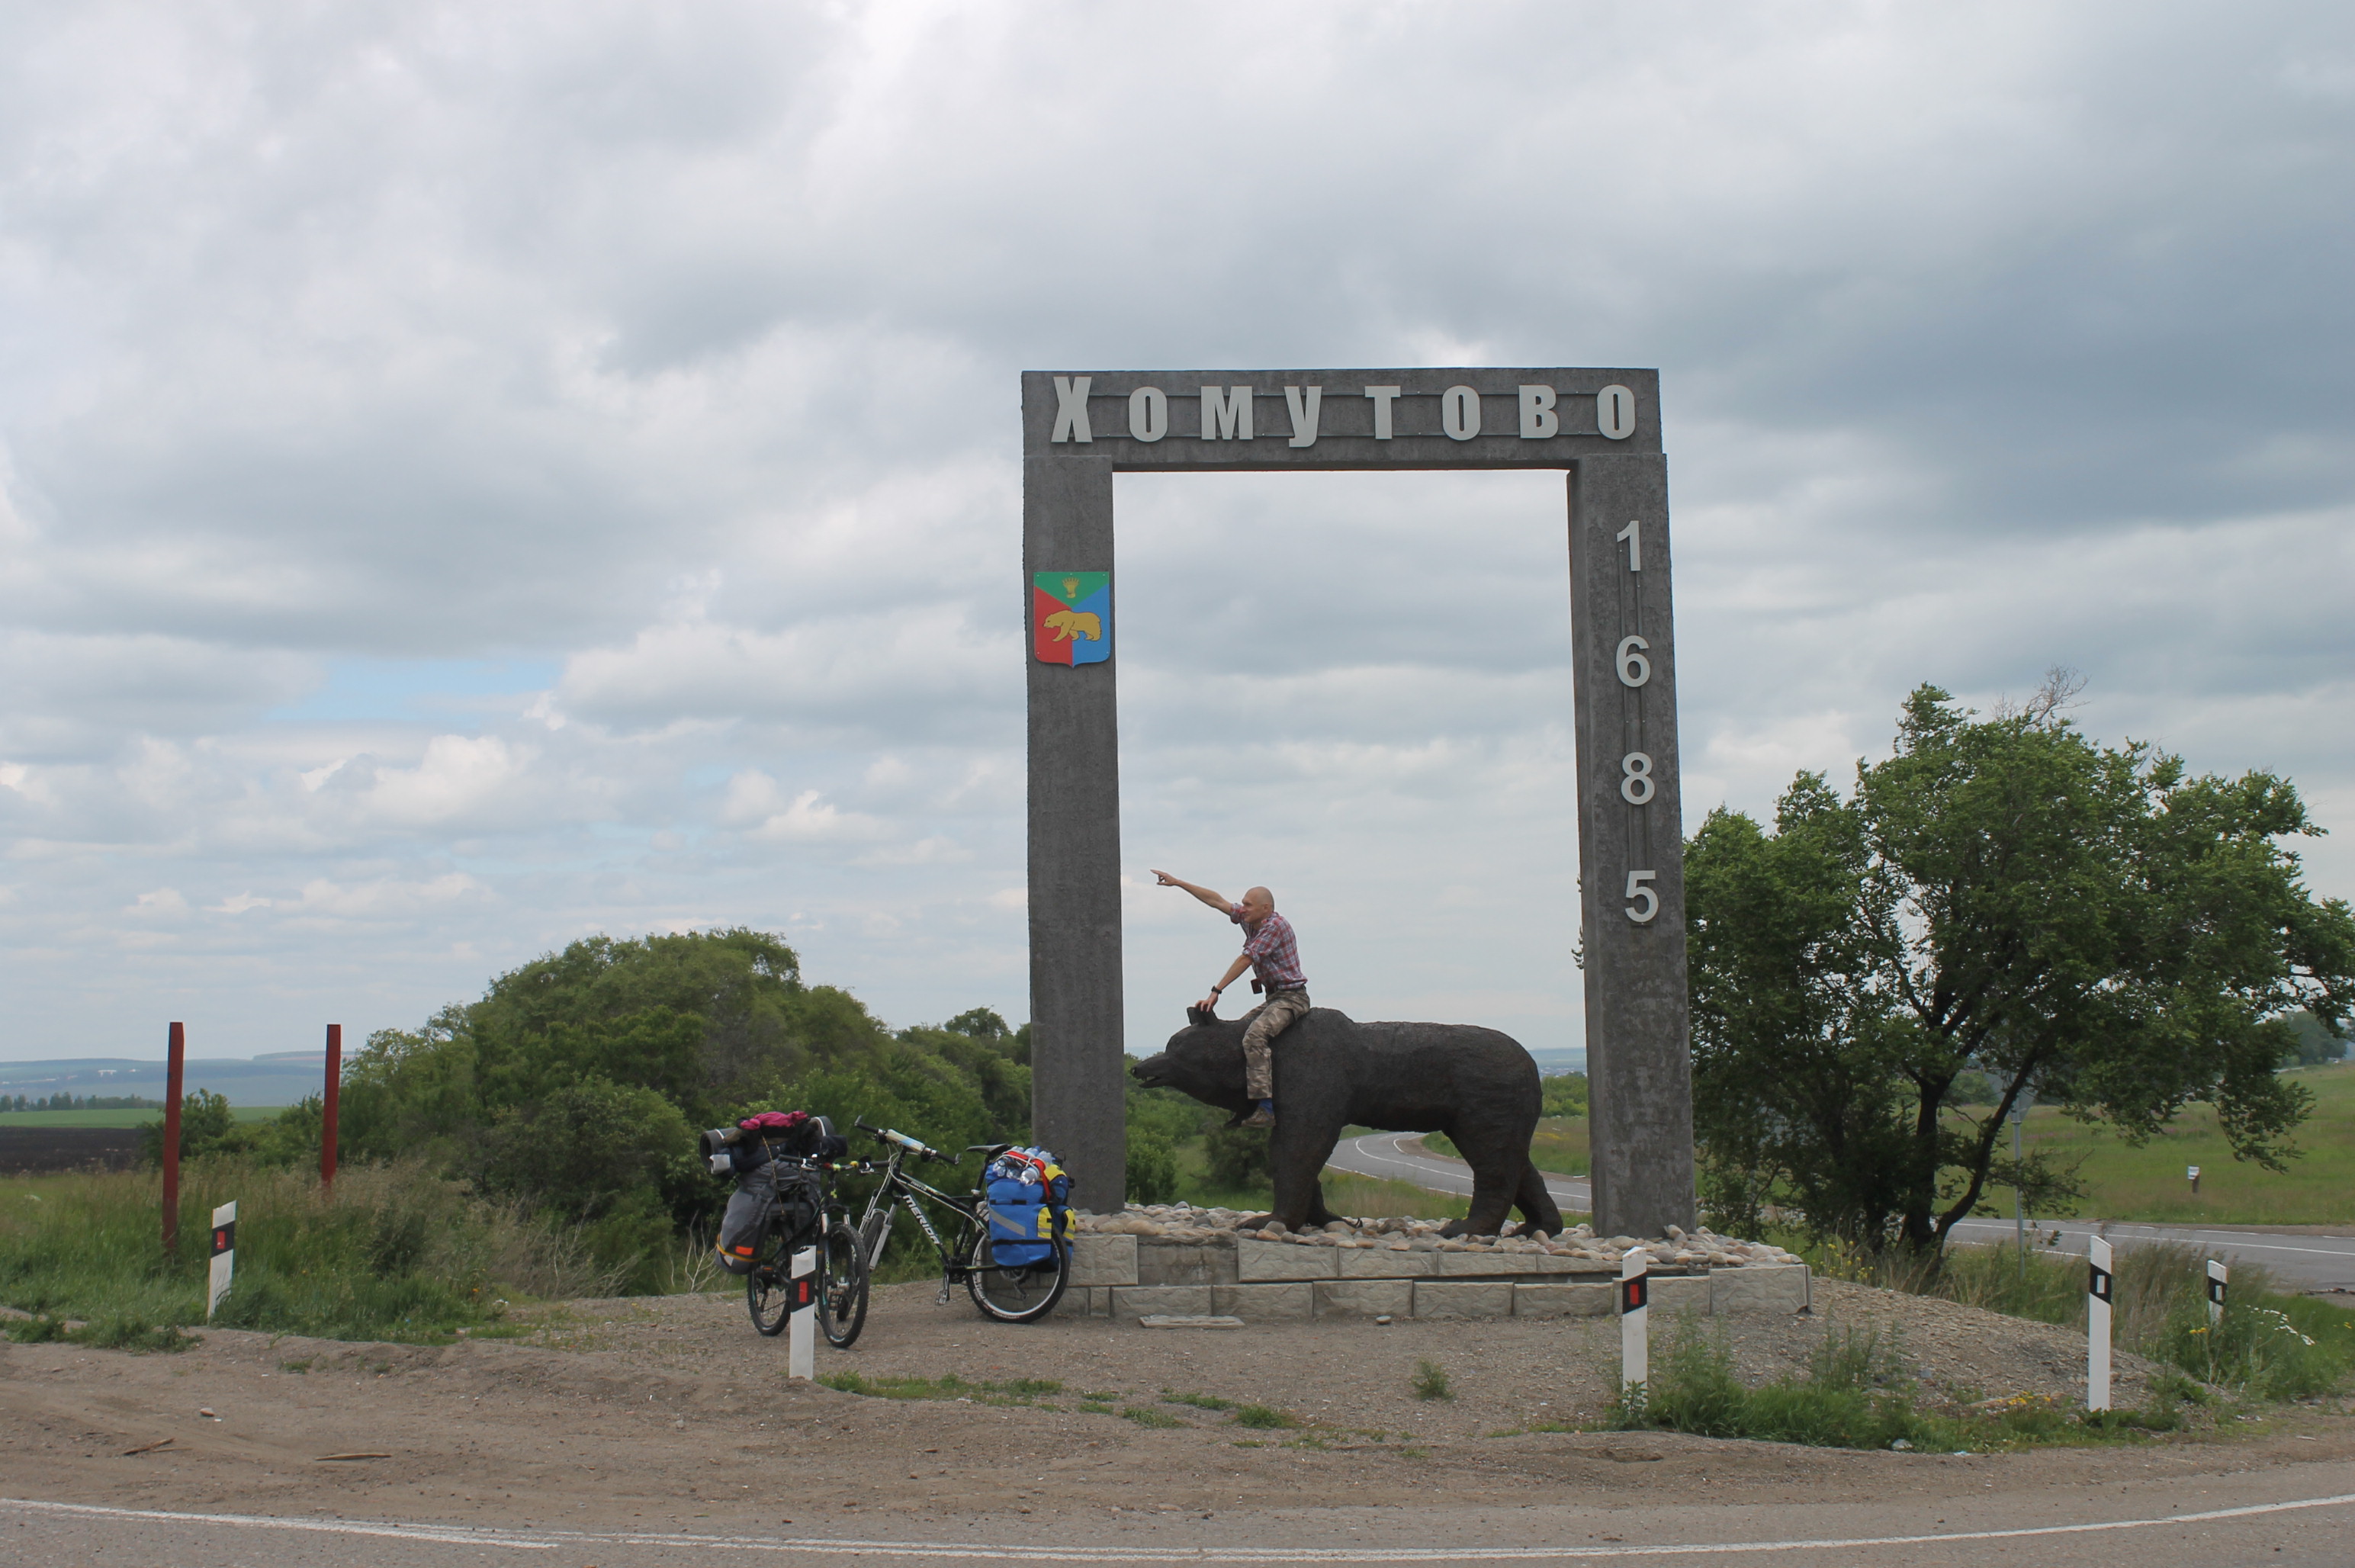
1078	1083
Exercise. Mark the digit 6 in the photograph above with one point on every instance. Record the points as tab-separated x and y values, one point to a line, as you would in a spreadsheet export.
1635	669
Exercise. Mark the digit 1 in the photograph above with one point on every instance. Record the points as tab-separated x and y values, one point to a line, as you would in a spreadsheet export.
1634	534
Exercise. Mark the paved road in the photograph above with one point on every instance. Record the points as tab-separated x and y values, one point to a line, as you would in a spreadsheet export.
2309	1262
2296	1517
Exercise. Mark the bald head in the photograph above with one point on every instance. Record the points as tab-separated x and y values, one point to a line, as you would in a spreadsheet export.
1258	903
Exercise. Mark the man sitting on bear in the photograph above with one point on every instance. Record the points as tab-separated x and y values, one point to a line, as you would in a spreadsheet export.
1270	948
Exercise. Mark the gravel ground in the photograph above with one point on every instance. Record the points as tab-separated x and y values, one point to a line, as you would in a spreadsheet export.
1356	1374
671	1411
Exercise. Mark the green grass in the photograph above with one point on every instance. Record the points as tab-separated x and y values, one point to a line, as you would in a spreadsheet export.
1431	1382
2270	1346
1145	1415
1854	1395
1265	1418
2148	1184
392	1254
1198	1400
118	1118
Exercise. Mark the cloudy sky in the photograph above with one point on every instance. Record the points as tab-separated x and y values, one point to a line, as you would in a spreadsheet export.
472	477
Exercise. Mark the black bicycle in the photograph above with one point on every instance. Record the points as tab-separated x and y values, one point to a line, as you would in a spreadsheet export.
838	1287
1008	1292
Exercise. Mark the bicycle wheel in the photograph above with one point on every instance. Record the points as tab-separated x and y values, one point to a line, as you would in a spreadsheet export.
842	1286
1020	1293
769	1296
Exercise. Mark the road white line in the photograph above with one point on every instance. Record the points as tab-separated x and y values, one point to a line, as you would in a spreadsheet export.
2139	1234
1031	1552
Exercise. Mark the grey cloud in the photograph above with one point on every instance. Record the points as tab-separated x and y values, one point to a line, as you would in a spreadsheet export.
680	350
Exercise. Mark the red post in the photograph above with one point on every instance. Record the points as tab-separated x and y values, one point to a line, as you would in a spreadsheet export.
335	1092
171	1070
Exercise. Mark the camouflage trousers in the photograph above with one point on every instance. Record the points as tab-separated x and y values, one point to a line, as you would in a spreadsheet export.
1261	1026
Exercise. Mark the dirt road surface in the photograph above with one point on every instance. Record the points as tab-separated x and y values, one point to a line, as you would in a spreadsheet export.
644	1434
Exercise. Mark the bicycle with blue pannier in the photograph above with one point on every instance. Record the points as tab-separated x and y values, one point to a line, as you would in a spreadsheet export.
1012	1235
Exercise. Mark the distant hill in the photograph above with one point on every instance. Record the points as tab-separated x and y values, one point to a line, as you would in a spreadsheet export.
279	1079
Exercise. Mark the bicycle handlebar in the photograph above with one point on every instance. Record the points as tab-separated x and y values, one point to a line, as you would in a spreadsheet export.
913	1146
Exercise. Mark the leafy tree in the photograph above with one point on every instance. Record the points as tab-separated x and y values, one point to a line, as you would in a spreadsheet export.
1563	1094
207	1126
980	1046
573	1086
2312	1042
2004	899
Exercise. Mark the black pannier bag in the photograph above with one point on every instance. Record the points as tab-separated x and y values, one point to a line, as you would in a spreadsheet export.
770	1190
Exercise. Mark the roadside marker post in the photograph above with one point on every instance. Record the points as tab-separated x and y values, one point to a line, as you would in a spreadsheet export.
224	1263
801	1353
2191	1174
329	1102
2219	1276
176	1055
2099	1282
1634	1314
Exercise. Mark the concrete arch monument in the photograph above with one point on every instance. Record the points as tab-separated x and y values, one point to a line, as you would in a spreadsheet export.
1602	427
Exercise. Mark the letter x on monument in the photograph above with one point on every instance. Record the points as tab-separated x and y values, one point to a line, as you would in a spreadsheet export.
1602	429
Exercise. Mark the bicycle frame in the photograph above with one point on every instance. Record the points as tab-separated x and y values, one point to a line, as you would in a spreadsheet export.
899	1191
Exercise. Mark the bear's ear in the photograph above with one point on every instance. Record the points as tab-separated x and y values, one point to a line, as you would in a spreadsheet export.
1198	1015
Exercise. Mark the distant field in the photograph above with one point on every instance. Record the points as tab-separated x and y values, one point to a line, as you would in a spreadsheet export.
117	1118
2148	1183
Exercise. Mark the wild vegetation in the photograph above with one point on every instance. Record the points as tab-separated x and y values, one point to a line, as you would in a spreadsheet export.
2267	1348
2002	909
539	1140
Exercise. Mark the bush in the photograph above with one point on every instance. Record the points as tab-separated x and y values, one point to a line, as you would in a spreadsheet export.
1239	1158
1152	1170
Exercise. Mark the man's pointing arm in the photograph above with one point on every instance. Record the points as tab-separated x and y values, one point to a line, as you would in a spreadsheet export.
1205	894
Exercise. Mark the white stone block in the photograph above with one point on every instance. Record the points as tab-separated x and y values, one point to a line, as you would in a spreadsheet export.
1764	1288
1103	1260
1463	1298
1365	1298
1563	1300
1290	1299
1256	1260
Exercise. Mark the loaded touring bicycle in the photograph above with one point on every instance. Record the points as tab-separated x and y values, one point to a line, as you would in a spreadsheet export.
1011	1240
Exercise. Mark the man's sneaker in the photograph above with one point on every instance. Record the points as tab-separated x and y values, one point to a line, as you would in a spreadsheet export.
1263	1118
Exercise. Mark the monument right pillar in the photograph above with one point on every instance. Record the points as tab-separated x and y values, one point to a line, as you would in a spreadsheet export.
1631	846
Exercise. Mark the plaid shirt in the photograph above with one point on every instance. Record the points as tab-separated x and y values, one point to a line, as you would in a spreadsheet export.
1274	955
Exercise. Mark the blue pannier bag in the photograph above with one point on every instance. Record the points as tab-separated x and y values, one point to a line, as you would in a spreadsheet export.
1025	1191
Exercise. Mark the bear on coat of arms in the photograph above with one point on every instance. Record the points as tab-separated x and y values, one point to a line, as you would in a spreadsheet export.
1069	624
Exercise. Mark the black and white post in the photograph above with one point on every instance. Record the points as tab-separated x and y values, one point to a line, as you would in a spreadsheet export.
801	1348
224	1258
2219	1276
1635	1326
2098	1283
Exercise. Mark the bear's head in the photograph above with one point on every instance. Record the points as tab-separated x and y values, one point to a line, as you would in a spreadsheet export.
1204	1061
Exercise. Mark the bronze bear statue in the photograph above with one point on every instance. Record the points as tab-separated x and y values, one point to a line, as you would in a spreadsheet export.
1478	1086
